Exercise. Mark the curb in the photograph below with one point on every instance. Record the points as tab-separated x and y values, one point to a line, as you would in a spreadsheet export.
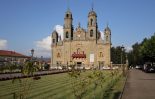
120	97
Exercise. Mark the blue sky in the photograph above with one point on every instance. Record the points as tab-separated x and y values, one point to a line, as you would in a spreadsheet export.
24	23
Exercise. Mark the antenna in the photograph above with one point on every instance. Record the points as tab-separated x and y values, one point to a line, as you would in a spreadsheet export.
68	5
92	6
107	23
79	25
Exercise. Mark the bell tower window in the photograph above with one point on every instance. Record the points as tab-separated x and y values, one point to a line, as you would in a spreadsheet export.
67	15
106	38
67	35
91	33
91	21
53	40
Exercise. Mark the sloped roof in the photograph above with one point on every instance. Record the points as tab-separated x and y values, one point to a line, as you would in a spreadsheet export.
107	29
92	13
12	54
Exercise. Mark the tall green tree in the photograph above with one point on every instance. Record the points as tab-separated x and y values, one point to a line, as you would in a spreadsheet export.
148	49
142	52
116	54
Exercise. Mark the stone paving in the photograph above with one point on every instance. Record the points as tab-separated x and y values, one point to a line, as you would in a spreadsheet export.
139	85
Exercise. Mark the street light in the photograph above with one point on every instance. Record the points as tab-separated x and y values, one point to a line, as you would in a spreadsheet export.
42	67
111	65
127	63
122	49
67	64
32	52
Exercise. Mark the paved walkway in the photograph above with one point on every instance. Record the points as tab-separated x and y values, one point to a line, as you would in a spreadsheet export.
139	85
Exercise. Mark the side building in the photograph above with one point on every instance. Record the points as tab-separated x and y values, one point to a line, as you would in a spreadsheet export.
12	56
80	46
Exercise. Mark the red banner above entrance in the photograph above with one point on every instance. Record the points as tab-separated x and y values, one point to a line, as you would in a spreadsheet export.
78	55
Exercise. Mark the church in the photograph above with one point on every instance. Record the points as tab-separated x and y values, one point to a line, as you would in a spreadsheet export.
81	47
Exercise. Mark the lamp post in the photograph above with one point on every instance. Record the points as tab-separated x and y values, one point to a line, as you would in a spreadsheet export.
42	65
32	52
122	49
127	63
111	65
67	65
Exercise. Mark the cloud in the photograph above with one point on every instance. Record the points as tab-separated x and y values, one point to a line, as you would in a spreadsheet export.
44	43
3	44
128	48
59	29
102	35
43	47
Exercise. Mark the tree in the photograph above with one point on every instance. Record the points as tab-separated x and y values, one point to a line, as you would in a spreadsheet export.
116	53
148	49
27	70
142	52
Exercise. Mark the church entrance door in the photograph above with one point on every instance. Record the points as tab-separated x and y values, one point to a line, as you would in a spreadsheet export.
101	64
79	65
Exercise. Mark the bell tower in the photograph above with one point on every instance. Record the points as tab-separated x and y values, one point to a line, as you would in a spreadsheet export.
107	45
68	27
107	35
92	25
54	38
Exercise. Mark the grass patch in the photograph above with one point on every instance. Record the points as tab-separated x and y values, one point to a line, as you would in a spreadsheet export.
58	86
115	91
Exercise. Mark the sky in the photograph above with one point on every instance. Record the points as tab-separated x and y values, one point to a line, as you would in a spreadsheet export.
27	24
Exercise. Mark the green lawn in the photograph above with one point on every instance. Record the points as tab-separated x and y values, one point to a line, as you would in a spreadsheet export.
57	86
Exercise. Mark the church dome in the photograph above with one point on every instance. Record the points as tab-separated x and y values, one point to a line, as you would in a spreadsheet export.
107	29
92	13
54	33
68	14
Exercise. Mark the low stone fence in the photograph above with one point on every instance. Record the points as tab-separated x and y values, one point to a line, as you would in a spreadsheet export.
19	75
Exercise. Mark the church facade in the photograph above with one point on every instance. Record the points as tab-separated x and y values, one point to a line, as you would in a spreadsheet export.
81	47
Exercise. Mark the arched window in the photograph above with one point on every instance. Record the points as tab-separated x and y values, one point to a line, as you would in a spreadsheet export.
91	21
78	51
58	55
53	40
67	15
91	33
100	54
106	38
67	34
